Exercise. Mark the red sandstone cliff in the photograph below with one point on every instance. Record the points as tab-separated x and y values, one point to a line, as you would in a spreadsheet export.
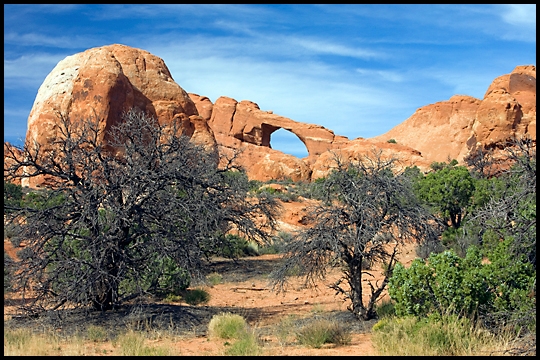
107	80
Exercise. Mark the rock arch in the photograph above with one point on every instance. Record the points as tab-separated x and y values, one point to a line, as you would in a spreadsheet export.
246	122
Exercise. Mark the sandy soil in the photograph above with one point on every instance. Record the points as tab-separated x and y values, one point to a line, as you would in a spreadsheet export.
244	290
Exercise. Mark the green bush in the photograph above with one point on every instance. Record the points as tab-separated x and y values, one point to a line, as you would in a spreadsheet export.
465	286
385	309
246	345
277	245
512	281
236	246
214	278
170	298
13	194
447	190
445	282
162	277
392	141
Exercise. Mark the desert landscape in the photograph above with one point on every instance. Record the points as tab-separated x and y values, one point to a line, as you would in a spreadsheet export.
243	290
110	79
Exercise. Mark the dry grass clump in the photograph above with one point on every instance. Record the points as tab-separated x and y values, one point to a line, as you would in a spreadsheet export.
228	326
444	336
323	331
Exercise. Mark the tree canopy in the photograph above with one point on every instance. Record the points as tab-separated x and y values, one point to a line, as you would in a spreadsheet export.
368	210
129	215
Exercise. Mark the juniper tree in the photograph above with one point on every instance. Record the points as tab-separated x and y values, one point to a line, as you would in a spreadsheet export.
125	211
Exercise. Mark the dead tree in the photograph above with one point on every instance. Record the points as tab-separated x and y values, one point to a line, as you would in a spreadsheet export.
368	211
121	214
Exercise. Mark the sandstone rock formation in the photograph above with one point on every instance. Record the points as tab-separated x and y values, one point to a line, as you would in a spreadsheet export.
244	126
105	82
358	149
453	128
508	109
108	80
9	151
439	131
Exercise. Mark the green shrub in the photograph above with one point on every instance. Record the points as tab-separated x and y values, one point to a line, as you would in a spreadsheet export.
320	332
464	286
445	282
227	326
170	298
277	245
196	296
392	141
13	194
512	280
162	277
254	185
236	246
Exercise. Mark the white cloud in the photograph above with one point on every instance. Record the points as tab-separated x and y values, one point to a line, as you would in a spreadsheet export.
392	76
310	95
38	39
521	20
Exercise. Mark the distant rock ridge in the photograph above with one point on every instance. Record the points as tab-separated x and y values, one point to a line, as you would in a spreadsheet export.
105	81
453	128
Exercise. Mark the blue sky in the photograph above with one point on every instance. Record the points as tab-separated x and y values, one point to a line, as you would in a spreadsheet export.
359	70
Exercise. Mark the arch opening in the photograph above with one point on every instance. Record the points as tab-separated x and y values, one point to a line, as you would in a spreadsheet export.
288	143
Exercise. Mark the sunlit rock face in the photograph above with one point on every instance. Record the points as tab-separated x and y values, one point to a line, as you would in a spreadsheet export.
453	128
508	109
244	126
104	82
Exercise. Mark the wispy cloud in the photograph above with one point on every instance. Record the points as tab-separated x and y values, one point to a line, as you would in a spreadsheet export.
319	46
29	70
305	92
522	21
42	40
392	76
